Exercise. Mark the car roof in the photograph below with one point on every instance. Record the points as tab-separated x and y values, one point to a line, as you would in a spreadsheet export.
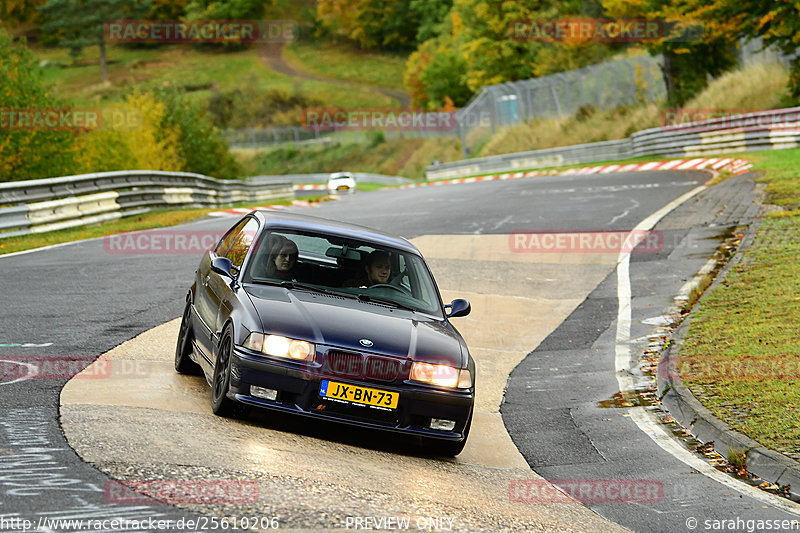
293	221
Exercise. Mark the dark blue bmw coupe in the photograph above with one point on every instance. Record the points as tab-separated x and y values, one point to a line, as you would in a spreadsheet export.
331	320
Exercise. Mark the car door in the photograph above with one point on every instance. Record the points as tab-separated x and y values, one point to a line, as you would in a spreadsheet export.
220	291
206	302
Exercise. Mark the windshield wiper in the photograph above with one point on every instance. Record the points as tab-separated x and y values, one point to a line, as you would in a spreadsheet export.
314	288
385	301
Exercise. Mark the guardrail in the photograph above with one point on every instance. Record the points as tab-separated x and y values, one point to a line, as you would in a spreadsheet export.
56	203
763	130
322	177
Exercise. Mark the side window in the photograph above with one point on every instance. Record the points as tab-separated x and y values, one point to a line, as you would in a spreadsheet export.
225	243
236	243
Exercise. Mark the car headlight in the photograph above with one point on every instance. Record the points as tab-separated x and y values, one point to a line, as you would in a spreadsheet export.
441	375
279	346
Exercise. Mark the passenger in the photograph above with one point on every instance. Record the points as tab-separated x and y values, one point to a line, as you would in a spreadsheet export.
377	269
282	258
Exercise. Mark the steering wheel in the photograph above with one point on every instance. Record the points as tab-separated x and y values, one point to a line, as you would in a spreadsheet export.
389	286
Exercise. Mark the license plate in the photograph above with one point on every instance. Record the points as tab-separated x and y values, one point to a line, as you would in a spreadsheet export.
342	188
359	395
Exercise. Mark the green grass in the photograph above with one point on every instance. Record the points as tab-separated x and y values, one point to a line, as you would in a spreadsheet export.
345	63
398	157
367	187
198	71
743	343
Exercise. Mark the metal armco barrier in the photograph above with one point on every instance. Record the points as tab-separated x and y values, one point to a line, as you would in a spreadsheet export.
57	203
764	130
322	177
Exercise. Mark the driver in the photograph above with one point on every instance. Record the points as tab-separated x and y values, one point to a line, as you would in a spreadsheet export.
377	269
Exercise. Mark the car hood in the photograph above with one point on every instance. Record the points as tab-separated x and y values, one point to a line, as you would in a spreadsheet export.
343	322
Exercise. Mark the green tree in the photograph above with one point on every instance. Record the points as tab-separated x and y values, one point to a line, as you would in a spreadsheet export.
694	47
19	13
28	153
476	45
79	23
431	15
201	146
776	23
383	24
229	9
445	78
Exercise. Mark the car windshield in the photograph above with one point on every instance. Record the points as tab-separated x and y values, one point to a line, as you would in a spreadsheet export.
374	274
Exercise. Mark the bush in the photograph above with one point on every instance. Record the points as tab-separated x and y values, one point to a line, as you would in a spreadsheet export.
28	153
200	144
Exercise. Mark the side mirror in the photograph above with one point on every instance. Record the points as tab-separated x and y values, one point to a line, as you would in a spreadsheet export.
224	267
458	307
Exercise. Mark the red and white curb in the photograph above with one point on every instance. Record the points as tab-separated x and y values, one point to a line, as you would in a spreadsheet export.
735	166
241	211
310	187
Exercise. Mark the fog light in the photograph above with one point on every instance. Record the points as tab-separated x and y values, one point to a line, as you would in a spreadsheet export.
442	424
261	392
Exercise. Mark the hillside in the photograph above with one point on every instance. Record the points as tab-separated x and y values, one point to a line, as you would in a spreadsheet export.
752	88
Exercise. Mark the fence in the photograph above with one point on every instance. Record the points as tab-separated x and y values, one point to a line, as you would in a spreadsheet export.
764	130
57	203
299	136
604	86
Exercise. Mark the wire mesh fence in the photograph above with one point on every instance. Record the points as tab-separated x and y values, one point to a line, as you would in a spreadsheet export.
302	136
622	82
609	85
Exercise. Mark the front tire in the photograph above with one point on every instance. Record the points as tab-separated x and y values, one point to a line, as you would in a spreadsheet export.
183	360
221	405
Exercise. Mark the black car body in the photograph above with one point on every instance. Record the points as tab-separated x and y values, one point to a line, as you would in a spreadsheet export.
310	342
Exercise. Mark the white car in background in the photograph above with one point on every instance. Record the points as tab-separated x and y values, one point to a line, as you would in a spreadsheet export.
341	182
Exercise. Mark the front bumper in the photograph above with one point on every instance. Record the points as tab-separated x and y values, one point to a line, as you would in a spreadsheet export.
298	393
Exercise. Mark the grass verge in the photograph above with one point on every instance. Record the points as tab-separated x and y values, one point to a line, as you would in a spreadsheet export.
742	349
342	62
199	72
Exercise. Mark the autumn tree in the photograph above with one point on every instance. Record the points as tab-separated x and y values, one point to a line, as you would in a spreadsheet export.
28	153
19	14
477	46
776	23
229	9
693	46
431	15
371	24
77	24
